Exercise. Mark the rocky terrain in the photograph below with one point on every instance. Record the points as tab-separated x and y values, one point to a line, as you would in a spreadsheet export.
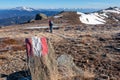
94	48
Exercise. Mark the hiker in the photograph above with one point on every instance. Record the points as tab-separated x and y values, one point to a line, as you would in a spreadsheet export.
51	25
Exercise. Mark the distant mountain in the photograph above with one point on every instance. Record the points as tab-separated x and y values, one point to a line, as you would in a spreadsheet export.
15	20
23	8
21	14
112	10
84	10
24	11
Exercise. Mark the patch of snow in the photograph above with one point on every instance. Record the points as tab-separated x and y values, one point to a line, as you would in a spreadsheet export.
117	9
58	16
104	15
26	8
115	19
80	13
112	11
92	18
96	14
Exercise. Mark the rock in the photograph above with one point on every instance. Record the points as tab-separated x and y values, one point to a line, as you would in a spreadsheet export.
68	28
101	39
26	32
68	69
104	55
117	49
117	36
65	60
104	77
44	67
1	26
40	16
92	52
30	21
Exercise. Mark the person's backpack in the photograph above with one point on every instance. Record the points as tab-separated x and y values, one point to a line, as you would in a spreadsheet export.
51	22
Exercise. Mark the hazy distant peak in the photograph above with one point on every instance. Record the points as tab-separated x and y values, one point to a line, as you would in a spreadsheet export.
24	8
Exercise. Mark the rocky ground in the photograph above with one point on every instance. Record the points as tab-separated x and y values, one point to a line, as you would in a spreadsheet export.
94	48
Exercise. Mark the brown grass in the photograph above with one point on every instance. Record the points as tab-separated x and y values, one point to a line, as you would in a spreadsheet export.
10	41
3	57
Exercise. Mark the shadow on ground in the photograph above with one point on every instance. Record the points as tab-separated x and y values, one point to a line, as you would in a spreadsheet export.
21	75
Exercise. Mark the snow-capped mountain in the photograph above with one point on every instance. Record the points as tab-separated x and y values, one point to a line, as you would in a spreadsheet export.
111	14
21	15
24	8
112	10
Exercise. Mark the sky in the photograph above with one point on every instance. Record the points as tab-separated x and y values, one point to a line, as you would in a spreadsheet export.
37	4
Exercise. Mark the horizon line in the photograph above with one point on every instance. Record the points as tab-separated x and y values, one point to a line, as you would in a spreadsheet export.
61	7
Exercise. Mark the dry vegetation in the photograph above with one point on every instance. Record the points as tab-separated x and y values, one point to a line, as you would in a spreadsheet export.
95	49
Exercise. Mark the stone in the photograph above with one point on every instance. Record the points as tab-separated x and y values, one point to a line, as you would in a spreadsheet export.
30	21
40	16
68	69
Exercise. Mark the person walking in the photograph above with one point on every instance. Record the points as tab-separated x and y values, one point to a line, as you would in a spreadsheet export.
51	26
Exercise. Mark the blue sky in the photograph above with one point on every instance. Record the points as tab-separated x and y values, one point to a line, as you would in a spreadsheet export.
59	3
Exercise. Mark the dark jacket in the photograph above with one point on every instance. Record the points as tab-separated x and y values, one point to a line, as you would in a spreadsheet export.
50	23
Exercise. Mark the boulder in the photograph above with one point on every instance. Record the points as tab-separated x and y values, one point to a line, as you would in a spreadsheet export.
1	26
30	21
44	67
69	71
40	16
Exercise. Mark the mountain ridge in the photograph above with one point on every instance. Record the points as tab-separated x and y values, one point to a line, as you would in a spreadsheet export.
104	16
100	16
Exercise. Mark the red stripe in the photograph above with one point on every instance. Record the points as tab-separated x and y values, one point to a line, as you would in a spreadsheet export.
44	46
29	47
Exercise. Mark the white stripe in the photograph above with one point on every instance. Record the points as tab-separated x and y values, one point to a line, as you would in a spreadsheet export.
36	43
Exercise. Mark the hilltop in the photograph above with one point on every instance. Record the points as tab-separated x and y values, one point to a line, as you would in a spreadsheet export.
94	47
